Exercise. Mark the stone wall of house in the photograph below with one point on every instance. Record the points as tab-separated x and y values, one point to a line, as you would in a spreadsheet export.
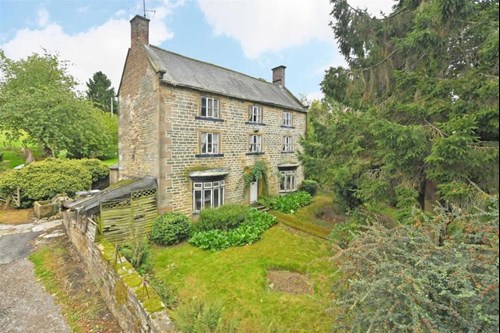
139	118
180	108
136	308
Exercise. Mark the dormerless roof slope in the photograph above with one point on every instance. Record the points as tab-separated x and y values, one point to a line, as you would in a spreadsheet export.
190	73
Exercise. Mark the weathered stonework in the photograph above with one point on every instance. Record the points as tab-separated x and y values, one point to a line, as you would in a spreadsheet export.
160	131
123	290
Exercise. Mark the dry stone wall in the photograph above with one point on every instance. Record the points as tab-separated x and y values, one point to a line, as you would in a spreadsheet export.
134	304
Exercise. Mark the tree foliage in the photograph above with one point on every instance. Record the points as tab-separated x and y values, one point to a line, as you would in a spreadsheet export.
100	91
38	105
438	275
418	103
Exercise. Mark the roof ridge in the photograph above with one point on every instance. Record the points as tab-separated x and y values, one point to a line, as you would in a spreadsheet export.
218	66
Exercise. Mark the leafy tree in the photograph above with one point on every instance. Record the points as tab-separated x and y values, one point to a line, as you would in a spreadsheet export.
38	105
100	91
418	103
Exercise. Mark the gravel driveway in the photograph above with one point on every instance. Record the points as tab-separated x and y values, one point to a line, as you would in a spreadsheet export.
24	304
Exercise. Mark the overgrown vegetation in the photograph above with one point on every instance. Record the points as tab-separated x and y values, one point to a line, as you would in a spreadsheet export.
310	186
170	229
45	179
39	107
438	275
223	218
416	110
255	224
289	203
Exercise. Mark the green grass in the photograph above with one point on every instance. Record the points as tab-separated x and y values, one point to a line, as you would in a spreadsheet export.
111	161
306	219
237	278
12	153
43	260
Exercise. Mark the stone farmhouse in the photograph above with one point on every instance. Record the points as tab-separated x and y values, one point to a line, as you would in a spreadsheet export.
197	128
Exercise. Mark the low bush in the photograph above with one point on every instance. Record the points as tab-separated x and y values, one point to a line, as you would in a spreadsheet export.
310	186
223	218
97	168
170	229
290	203
344	233
45	179
247	233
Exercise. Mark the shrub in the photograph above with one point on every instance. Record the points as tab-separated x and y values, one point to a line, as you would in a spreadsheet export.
247	233
170	229
196	316
98	169
442	273
136	252
223	218
45	179
344	233
291	202
310	186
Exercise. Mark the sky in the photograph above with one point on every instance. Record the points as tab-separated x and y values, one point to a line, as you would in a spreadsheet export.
248	36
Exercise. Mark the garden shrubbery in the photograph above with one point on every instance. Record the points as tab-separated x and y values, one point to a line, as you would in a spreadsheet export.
45	179
250	231
170	229
289	203
309	186
223	218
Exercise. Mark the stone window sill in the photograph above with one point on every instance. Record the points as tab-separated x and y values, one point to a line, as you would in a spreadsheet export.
288	152
255	124
216	120
255	154
209	155
286	126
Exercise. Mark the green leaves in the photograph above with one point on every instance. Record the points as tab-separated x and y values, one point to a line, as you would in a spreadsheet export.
38	100
247	233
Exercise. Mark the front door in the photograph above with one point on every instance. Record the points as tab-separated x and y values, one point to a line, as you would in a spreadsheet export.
254	192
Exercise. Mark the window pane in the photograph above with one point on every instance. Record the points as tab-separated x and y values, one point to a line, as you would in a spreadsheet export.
208	199
222	192
216	108
216	198
203	106
197	201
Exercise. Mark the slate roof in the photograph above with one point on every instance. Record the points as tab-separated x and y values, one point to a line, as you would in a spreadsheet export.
190	73
91	205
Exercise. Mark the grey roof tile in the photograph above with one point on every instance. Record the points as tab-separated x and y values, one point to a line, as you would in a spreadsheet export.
186	72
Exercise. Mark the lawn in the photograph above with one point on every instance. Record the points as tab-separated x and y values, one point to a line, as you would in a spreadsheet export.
316	219
238	278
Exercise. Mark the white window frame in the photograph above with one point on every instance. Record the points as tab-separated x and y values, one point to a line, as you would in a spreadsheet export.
255	143
212	193
287	119
256	114
210	143
288	181
287	144
210	107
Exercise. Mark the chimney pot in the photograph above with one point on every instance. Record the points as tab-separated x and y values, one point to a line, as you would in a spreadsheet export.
139	31
279	75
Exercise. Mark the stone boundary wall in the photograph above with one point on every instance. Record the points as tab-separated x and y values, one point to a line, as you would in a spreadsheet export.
135	305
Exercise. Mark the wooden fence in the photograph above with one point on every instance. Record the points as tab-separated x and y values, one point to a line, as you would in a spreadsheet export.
124	219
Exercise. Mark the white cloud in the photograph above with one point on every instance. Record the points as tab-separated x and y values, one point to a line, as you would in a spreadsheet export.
43	17
269	25
100	48
274	25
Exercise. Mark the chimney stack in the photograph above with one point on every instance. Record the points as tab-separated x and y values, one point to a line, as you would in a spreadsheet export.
279	75
139	31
